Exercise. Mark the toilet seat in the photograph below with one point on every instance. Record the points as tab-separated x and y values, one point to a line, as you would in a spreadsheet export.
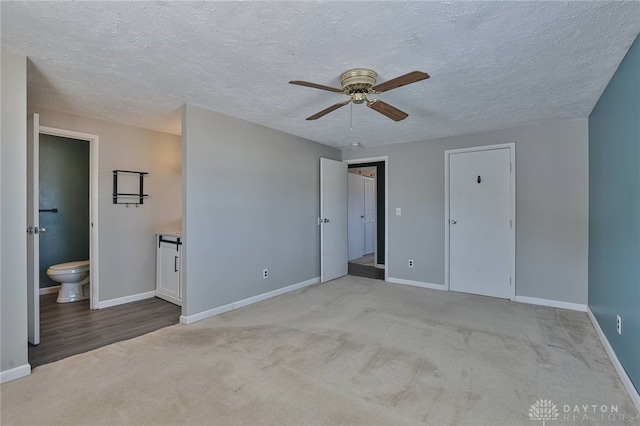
69	267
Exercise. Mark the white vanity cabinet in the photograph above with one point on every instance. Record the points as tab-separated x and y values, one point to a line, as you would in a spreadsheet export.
169	267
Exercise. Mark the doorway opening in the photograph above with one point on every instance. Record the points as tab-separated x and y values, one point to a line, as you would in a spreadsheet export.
367	219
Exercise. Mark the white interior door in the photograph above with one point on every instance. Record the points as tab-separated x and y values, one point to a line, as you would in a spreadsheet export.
369	214
333	219
33	242
356	216
480	240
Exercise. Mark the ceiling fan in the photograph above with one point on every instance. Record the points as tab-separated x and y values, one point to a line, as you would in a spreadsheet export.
360	82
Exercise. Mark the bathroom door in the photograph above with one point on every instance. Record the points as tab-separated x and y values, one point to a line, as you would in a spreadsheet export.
33	234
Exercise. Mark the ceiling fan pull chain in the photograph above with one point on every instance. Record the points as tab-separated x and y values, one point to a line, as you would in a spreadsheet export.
351	126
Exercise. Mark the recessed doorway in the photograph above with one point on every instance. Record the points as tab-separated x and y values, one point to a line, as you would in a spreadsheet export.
367	218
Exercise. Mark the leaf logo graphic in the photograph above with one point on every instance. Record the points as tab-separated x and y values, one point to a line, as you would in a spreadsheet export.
543	409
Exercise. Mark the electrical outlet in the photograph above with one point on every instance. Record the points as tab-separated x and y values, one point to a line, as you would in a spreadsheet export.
410	263
265	274
618	324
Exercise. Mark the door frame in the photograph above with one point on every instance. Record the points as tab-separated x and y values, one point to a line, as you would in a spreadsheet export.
384	159
94	144
512	258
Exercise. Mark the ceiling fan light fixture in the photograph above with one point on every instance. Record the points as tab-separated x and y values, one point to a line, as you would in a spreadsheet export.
357	83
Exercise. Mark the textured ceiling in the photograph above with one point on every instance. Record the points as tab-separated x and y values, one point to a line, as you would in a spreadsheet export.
492	64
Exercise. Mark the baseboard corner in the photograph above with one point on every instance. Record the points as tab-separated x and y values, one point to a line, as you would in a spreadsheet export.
15	373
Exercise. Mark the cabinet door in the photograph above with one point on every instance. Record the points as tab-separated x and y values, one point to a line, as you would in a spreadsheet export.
170	270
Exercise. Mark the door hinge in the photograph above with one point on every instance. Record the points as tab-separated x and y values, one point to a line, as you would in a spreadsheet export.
509	280
511	224
510	167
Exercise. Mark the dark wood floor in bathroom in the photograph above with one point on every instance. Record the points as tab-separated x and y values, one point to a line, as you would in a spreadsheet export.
72	328
366	271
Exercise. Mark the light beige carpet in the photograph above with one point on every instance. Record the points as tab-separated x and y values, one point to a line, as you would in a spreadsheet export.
353	351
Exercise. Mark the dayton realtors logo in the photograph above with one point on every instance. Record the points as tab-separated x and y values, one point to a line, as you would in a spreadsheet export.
545	410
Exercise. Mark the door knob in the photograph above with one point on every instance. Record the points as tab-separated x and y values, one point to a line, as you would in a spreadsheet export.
34	230
453	222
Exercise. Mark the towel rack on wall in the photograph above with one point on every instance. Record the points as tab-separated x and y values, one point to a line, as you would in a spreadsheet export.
121	197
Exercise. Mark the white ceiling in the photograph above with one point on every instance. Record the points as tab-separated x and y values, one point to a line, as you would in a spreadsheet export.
492	64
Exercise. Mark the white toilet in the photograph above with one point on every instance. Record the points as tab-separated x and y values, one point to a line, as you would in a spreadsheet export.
72	276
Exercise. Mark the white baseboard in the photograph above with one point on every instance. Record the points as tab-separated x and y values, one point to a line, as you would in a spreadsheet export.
15	373
631	389
49	290
205	314
379	266
126	299
552	303
416	283
246	302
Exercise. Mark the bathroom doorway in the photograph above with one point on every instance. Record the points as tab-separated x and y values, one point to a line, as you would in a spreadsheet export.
64	182
52	216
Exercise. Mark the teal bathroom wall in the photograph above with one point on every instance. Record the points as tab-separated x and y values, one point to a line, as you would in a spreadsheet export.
614	212
64	184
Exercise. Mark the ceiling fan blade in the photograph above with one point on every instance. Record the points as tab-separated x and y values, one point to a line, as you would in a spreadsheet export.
403	80
387	110
328	110
316	86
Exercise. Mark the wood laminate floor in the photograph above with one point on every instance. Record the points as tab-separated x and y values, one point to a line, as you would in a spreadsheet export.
72	328
366	271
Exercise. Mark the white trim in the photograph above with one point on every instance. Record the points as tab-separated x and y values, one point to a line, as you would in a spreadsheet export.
126	299
416	283
94	192
366	160
15	373
246	302
552	303
380	266
206	314
626	381
512	152
49	290
384	159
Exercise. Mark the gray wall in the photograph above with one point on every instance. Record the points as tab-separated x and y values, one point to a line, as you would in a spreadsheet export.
13	211
251	202
614	212
551	207
127	245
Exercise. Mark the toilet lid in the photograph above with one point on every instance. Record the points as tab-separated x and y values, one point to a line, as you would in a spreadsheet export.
79	264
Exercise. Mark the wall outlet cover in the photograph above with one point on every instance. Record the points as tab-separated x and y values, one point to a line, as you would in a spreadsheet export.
265	274
410	263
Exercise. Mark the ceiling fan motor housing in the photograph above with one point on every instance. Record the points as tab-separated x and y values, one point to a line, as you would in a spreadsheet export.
357	83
